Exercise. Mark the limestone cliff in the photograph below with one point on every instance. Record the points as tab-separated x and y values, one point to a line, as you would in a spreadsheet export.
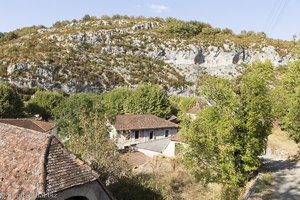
96	55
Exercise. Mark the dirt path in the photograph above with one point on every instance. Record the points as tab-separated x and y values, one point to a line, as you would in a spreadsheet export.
280	173
286	179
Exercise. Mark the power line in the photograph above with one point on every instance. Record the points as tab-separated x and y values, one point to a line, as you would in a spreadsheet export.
278	17
275	15
271	14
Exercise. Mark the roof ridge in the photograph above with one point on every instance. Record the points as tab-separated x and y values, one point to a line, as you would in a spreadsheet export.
4	126
80	162
43	181
34	121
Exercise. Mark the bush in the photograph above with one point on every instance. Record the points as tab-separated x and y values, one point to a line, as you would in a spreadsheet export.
10	102
150	99
86	17
67	113
43	103
267	178
182	28
227	31
9	36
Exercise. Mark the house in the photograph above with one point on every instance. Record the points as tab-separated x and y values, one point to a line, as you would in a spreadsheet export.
174	119
129	130
35	165
194	110
36	125
169	147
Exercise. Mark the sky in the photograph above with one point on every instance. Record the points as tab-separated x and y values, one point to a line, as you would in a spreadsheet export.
278	18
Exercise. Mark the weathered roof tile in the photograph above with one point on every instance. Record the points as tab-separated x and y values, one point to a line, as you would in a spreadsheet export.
34	163
35	125
137	122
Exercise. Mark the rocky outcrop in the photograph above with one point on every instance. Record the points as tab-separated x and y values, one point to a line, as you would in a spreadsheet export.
116	57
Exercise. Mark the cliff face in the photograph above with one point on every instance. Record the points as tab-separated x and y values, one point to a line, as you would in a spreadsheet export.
98	55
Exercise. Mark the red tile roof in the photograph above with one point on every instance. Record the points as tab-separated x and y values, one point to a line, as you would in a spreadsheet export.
197	108
176	138
136	158
35	125
64	170
35	163
138	122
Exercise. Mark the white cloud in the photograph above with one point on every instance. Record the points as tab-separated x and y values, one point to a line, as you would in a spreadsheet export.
159	8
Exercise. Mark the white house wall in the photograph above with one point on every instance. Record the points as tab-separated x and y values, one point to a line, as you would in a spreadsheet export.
144	136
149	153
170	149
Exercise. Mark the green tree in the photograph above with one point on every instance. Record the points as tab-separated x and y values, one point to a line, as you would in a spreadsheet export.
182	28
11	104
43	103
182	103
67	113
292	78
291	83
114	101
94	146
226	138
10	36
150	99
86	17
286	97
292	119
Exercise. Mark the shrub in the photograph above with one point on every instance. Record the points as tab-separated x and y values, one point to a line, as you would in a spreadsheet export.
10	102
43	103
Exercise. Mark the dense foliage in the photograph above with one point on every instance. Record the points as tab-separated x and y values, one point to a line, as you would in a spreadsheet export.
114	100
43	103
292	118
285	98
226	138
67	113
11	104
191	28
94	146
148	99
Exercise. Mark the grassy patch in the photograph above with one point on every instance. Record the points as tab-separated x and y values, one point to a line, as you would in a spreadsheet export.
267	178
280	141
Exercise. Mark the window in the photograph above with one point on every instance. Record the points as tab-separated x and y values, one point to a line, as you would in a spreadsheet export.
151	134
136	135
166	133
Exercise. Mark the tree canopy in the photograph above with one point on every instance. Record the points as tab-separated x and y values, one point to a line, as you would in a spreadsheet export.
227	137
11	104
148	99
67	113
43	103
292	118
114	101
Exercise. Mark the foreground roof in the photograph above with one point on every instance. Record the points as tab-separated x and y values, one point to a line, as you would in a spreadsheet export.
35	163
36	125
138	122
